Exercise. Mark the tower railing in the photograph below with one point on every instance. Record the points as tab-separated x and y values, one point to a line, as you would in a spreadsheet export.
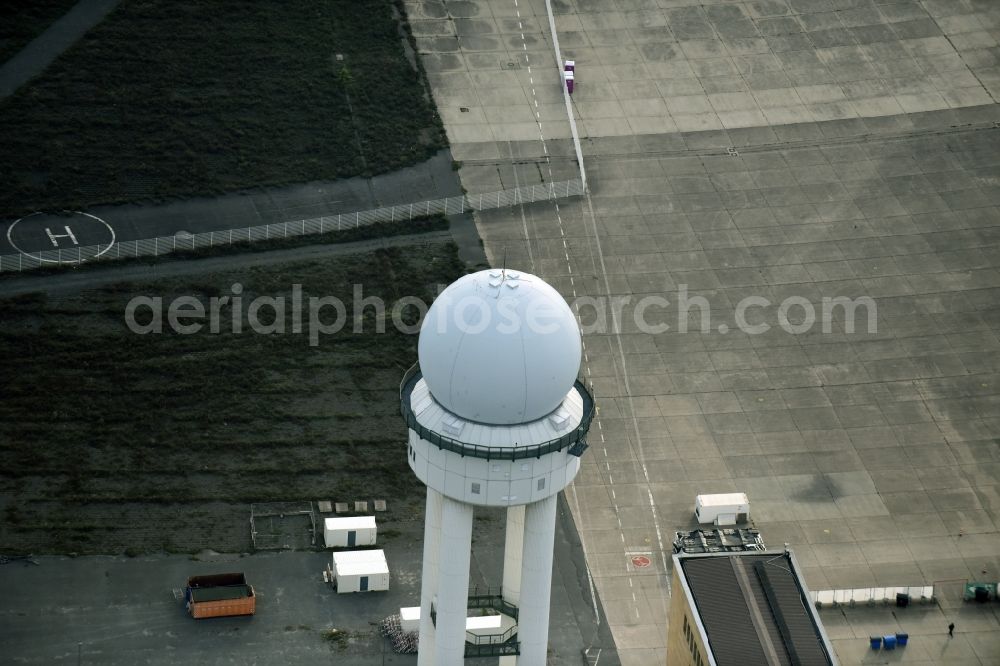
575	440
491	597
491	639
506	649
489	645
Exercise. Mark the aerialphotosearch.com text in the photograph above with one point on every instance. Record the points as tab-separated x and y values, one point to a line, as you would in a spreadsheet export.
297	313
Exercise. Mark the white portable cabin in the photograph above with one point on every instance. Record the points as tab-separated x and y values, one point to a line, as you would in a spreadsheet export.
360	571
409	618
723	509
350	532
478	625
484	625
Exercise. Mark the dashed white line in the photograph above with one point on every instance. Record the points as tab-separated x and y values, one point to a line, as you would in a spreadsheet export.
569	270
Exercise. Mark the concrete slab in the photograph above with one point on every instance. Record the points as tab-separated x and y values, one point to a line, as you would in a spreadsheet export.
806	152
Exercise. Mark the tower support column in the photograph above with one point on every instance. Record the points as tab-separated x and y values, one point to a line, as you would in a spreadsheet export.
536	581
512	552
453	582
428	581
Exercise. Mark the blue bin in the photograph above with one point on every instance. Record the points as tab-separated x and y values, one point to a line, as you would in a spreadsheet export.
876	642
901	639
889	642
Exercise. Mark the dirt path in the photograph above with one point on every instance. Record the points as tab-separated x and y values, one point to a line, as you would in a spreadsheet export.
41	51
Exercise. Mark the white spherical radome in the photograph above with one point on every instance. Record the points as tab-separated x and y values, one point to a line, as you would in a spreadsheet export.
499	347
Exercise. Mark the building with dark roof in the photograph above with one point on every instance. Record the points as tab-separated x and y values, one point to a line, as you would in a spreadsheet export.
743	609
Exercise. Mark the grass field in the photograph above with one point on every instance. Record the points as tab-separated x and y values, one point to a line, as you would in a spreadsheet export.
167	98
114	441
23	20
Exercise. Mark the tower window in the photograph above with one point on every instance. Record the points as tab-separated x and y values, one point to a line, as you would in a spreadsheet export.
475	488
541	483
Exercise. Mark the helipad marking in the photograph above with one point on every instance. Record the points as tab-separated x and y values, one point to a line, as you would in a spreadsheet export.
53	238
68	234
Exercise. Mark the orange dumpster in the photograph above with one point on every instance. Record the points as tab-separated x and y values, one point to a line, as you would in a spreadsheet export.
219	595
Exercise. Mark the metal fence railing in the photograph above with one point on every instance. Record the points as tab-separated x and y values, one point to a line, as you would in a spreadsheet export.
152	247
282	525
871	595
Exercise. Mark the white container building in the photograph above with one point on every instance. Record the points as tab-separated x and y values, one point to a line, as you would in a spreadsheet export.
409	619
350	532
360	571
478	625
722	509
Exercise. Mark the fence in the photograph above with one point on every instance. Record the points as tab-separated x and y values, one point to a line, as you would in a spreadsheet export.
152	247
871	595
282	525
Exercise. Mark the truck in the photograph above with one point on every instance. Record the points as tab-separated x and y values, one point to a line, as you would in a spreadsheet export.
723	509
219	595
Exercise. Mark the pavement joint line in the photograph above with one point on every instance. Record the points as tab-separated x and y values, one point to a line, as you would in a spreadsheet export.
974	72
871	137
524	218
616	332
762	147
590	578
